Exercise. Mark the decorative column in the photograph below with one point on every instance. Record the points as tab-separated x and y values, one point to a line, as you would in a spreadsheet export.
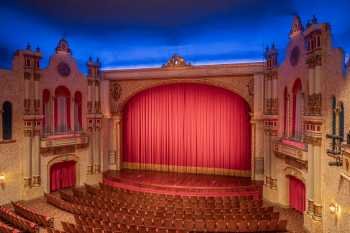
91	147
310	180
317	184
97	146
27	156
36	181
114	152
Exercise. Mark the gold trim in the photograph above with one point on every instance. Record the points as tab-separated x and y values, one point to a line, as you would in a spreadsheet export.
184	169
317	212
310	209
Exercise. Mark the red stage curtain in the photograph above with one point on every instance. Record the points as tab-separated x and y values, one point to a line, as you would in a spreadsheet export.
296	194
62	175
189	125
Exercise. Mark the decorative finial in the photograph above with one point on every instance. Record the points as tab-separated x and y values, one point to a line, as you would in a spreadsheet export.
29	47
314	20
37	49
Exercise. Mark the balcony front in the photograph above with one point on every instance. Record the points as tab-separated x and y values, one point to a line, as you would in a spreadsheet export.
293	152
63	136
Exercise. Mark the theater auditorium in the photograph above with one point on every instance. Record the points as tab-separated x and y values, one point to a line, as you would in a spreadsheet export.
249	146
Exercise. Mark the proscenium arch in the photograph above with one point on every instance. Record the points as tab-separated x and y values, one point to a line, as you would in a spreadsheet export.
140	89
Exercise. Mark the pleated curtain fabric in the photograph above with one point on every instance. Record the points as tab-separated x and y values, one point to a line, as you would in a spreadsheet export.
297	197
188	125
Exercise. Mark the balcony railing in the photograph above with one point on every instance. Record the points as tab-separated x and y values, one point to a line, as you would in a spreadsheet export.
61	132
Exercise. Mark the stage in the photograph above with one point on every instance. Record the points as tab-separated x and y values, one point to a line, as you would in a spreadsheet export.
183	183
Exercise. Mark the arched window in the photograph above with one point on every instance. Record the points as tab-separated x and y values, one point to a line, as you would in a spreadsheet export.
285	109
334	120
7	121
341	121
62	109
297	109
78	111
46	111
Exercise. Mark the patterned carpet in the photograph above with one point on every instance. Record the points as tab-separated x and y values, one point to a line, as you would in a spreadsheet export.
295	219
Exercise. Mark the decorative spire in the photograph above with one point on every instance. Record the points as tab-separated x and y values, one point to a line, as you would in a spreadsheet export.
312	21
63	47
176	61
297	26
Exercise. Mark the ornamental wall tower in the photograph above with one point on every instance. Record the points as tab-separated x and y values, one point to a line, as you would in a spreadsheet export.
94	117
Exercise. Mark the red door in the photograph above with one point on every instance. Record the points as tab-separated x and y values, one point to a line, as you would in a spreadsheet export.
62	175
296	194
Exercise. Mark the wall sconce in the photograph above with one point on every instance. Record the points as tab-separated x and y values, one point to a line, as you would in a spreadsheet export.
333	208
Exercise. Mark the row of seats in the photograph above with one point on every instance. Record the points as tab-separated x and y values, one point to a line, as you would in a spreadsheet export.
122	217
109	194
129	207
33	215
5	228
63	205
111	210
172	197
255	213
190	225
19	222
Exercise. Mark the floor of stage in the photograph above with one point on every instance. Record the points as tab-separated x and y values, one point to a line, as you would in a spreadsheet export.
183	183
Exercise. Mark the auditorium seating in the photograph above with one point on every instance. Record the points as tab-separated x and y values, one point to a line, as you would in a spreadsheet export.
19	222
32	215
109	209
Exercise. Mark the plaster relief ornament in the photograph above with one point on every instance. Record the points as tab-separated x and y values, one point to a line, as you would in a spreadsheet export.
116	91
63	69
176	61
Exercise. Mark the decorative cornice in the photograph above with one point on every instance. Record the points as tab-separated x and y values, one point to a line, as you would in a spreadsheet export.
201	71
315	141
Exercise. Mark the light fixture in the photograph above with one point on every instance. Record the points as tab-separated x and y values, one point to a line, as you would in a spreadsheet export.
2	179
333	208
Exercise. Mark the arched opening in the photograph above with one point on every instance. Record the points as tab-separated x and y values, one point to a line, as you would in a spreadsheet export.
62	109
187	127
297	130
78	111
285	112
7	121
46	112
62	175
297	198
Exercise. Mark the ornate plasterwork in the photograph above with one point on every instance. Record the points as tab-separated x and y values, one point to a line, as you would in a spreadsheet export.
115	90
176	61
315	141
291	171
314	102
271	106
291	155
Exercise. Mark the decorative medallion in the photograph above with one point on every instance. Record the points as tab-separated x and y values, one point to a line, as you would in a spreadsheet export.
116	91
294	56
176	61
63	69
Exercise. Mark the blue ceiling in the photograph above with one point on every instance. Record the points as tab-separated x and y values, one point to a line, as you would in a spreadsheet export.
134	33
